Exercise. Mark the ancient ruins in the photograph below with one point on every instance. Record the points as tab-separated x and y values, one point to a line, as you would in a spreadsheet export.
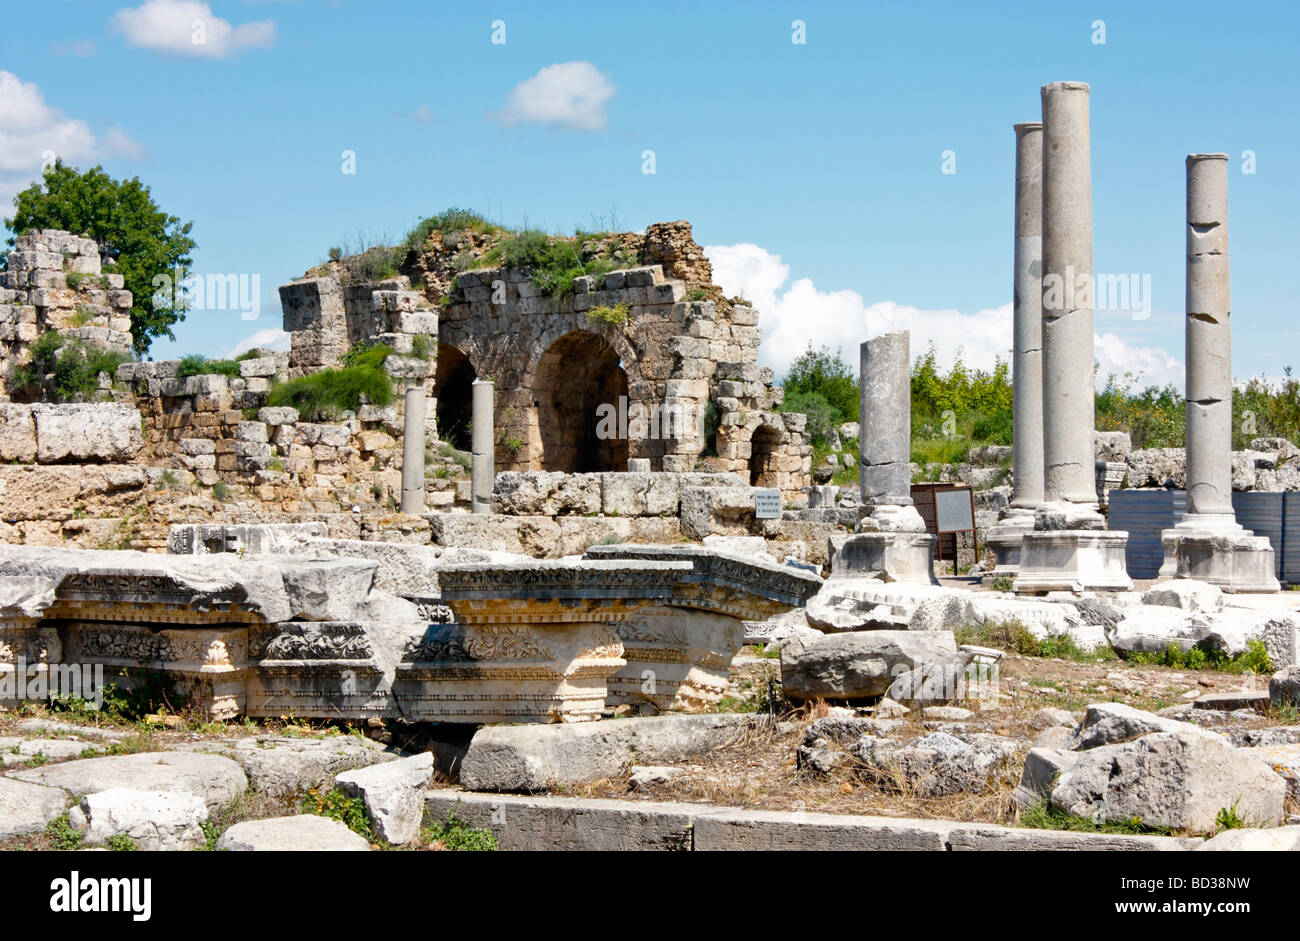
581	541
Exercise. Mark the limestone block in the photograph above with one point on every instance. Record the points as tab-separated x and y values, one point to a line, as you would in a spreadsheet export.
251	431
1180	780
17	434
529	758
860	664
86	432
153	820
394	795
306	832
26	808
263	366
216	780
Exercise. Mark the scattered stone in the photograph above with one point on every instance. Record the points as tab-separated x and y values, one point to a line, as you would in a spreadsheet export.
643	776
26	808
285	768
394	795
1048	717
946	714
215	779
1180	779
1248	699
1109	723
937	764
154	820
292	834
1284	759
533	757
889	709
1284	686
1186	594
1286	839
862	664
56	727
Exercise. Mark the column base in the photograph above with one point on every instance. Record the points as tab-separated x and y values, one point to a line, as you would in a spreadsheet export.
1072	560
1220	552
890	557
1003	540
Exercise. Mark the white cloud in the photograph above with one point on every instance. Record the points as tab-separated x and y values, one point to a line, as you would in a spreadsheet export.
189	28
32	134
794	316
268	338
571	95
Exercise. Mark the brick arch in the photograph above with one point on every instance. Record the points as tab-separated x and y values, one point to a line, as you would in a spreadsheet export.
452	387
616	338
576	381
766	452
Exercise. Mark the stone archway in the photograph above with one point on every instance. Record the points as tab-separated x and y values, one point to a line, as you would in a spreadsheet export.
764	456
579	373
452	386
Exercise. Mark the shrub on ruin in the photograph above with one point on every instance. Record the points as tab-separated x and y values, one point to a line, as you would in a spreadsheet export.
449	220
199	365
75	368
325	395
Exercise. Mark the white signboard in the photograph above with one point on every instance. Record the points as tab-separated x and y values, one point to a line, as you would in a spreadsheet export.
952	511
767	504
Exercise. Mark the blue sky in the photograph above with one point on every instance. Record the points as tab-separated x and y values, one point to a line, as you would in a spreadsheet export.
812	171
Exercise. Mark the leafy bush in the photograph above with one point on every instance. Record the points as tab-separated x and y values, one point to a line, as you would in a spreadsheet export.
449	220
75	366
325	395
339	806
605	314
200	365
456	835
821	414
824	373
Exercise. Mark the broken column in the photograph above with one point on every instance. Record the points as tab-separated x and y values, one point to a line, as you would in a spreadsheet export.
895	545
483	447
413	450
1208	543
1027	354
1069	549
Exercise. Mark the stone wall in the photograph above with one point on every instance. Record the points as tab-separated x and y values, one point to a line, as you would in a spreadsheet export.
54	281
654	351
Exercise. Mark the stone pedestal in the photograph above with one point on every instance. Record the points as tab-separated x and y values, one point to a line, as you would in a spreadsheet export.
1072	560
318	669
1004	540
888	556
1218	550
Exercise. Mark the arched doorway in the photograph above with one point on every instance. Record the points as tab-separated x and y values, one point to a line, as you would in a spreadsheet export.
764	446
578	374
452	386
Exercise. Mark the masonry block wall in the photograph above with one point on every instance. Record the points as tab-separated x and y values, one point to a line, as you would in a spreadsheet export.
54	281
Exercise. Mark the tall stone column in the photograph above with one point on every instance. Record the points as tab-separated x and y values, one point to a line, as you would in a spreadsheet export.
1209	343
413	450
1027	354
482	447
1069	474
892	542
1208	543
1069	549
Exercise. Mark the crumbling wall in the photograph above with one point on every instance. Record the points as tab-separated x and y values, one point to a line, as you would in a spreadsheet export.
54	281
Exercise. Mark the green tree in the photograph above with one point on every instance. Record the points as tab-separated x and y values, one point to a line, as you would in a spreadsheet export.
136	239
826	374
